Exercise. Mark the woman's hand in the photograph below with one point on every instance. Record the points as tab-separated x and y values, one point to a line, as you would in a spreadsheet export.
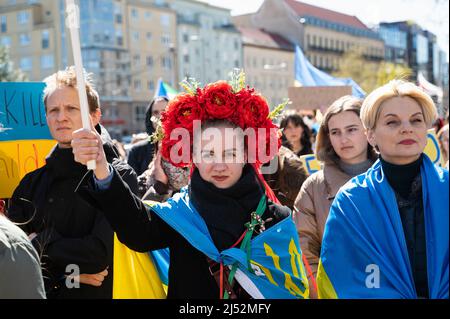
87	146
158	171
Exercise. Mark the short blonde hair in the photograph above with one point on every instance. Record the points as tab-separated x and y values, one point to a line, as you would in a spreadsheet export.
371	108
324	149
68	77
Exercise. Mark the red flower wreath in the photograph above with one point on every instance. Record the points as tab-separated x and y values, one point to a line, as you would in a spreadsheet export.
241	106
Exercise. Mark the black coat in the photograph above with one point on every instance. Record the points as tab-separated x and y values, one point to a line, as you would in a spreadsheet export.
70	231
142	230
141	154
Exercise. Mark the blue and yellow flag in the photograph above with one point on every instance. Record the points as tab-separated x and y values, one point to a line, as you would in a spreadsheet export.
277	271
364	252
25	139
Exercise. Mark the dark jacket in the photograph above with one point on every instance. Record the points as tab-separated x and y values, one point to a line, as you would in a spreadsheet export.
142	230
70	231
413	222
20	270
141	154
288	178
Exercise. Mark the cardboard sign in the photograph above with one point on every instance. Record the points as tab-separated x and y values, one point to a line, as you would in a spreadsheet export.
310	163
433	150
316	97
25	139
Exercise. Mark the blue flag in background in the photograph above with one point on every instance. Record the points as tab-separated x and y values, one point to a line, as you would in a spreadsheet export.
165	90
308	75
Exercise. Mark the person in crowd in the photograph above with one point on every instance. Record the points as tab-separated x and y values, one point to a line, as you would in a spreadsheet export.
442	136
296	134
287	178
387	232
20	269
226	204
344	152
141	154
72	237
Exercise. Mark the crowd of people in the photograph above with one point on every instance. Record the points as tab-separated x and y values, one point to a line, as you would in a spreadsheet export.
378	201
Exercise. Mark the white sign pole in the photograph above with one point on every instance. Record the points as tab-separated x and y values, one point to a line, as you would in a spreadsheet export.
73	23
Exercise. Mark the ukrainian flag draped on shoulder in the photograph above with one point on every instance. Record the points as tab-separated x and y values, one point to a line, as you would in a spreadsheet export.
364	238
275	258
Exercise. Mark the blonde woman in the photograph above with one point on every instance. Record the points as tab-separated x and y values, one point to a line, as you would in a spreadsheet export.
343	149
387	232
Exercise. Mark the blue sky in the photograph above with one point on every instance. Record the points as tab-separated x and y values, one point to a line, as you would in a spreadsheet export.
432	15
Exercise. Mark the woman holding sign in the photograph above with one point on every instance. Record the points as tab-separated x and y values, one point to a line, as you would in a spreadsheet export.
343	149
227	236
387	232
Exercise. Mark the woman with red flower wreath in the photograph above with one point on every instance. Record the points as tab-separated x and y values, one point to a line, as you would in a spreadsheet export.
228	236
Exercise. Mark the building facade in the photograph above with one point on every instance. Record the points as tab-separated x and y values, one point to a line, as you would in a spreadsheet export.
209	46
269	61
396	43
324	35
128	45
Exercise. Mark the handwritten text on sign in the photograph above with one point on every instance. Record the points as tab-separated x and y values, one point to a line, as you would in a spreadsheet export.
25	140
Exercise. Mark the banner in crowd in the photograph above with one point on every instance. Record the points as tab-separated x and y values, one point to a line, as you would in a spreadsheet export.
432	149
25	139
316	97
308	75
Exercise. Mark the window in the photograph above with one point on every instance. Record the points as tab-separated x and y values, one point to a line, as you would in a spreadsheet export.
3	23
24	39
25	64
118	18
135	35
185	37
186	58
149	61
165	20
134	14
137	85
166	63
148	36
23	17
47	61
45	39
5	41
236	44
150	85
139	113
165	39
119	37
148	15
136	60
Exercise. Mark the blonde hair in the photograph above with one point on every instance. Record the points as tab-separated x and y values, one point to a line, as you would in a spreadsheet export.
324	149
371	108
68	77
